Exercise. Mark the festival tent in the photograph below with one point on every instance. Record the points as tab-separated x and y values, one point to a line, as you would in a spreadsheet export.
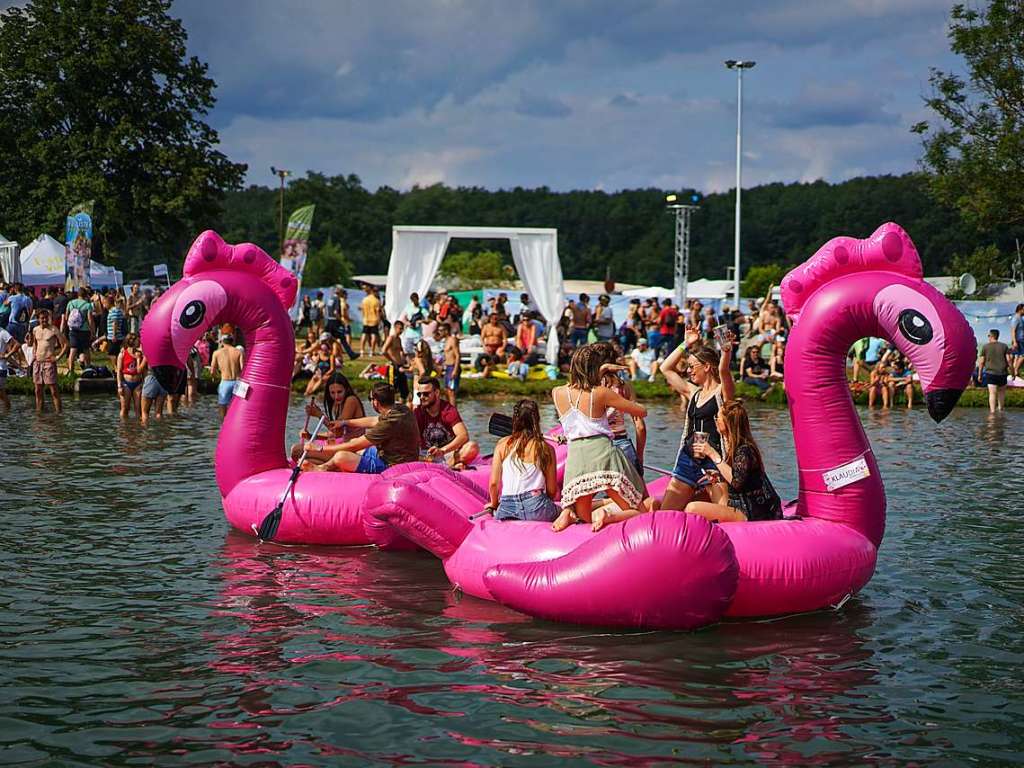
10	262
416	254
651	292
42	263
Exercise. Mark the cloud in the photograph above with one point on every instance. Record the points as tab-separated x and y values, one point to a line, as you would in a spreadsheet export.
537	105
624	101
838	104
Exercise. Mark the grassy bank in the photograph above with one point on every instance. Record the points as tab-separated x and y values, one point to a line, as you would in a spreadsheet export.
506	388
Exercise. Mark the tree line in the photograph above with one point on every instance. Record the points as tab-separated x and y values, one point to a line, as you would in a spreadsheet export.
631	232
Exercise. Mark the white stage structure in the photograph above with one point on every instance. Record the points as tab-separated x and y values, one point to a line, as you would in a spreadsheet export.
417	252
10	261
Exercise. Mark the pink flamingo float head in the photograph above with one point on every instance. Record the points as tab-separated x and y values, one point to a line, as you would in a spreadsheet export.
241	285
847	290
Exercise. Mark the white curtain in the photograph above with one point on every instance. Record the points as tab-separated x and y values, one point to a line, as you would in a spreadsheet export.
536	260
10	261
415	259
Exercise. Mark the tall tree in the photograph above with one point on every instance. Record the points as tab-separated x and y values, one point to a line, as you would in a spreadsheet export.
977	152
100	101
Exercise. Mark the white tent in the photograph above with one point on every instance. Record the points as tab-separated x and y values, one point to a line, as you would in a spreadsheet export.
10	261
709	289
42	263
651	292
416	254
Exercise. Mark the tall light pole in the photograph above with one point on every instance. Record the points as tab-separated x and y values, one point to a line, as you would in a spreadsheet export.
282	174
739	66
682	249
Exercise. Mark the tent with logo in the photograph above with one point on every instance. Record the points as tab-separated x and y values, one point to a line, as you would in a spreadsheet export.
42	263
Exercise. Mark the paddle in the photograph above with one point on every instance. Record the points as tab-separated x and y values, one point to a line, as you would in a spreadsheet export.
268	528
500	425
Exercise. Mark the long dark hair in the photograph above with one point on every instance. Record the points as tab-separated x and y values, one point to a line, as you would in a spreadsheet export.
526	432
338	378
737	431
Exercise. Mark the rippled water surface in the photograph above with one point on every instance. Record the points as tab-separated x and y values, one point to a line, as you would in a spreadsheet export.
135	628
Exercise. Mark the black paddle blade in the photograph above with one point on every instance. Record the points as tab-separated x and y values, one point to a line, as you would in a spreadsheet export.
499	425
268	528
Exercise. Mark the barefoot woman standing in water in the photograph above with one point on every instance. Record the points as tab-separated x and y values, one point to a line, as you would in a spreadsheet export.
594	464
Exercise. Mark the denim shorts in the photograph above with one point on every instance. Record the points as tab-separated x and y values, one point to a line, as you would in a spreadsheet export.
532	505
690	470
625	445
151	388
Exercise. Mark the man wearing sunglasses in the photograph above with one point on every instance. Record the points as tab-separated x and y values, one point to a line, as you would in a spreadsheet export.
442	432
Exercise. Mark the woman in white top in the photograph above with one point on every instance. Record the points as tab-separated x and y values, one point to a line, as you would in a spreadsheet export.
524	479
594	464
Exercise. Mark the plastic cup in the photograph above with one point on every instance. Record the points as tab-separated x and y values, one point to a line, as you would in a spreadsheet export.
700	438
719	333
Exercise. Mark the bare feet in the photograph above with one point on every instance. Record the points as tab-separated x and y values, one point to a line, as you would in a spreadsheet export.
598	518
564	520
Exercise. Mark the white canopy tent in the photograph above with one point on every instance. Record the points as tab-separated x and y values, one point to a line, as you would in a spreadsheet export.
42	263
651	292
10	261
416	254
695	289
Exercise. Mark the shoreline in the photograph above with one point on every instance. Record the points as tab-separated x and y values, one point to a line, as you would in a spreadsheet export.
484	389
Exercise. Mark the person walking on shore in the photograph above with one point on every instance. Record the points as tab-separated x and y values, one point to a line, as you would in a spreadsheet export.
48	346
993	367
370	307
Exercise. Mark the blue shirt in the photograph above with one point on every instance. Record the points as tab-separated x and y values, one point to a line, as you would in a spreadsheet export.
21	308
1017	331
875	348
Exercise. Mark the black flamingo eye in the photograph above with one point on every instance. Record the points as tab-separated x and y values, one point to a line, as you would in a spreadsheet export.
914	326
193	314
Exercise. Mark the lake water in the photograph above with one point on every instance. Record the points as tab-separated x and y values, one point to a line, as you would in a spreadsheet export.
136	629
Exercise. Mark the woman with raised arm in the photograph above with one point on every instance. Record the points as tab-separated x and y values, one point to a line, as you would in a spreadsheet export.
594	464
706	382
751	494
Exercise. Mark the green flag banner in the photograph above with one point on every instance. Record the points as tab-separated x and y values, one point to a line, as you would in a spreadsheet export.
78	246
295	248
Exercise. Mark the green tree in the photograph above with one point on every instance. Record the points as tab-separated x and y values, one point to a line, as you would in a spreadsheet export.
327	265
474	270
986	263
100	101
760	277
976	152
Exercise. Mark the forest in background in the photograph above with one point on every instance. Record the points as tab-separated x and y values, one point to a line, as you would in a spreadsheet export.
629	231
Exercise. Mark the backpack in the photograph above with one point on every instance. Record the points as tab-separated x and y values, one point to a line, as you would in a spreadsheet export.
75	319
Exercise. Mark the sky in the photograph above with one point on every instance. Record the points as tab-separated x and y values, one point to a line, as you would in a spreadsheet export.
570	94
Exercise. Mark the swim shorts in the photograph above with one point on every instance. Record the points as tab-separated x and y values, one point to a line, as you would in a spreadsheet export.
225	390
994	379
452	376
152	389
45	372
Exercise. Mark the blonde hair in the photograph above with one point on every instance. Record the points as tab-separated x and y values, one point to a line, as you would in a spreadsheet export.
585	368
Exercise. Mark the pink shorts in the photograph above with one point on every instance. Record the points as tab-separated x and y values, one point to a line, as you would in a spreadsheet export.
44	372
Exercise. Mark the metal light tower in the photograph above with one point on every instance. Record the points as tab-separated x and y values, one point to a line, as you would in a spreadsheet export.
682	251
282	174
739	66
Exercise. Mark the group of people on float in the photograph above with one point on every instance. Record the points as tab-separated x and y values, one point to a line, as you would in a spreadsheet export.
719	472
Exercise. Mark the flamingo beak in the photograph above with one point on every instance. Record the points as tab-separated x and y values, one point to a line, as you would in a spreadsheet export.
941	402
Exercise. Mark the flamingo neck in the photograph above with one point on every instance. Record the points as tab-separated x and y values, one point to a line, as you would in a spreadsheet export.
252	436
827	432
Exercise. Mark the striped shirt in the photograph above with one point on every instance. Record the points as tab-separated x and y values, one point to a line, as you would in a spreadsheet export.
115	324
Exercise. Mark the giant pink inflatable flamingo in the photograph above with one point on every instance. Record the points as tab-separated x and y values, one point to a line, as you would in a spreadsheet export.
671	570
241	285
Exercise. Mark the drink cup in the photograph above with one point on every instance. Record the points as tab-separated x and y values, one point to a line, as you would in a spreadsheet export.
700	439
719	332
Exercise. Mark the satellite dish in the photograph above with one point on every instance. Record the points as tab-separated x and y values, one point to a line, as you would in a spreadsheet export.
968	284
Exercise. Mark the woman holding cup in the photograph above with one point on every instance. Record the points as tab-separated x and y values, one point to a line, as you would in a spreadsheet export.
707	383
